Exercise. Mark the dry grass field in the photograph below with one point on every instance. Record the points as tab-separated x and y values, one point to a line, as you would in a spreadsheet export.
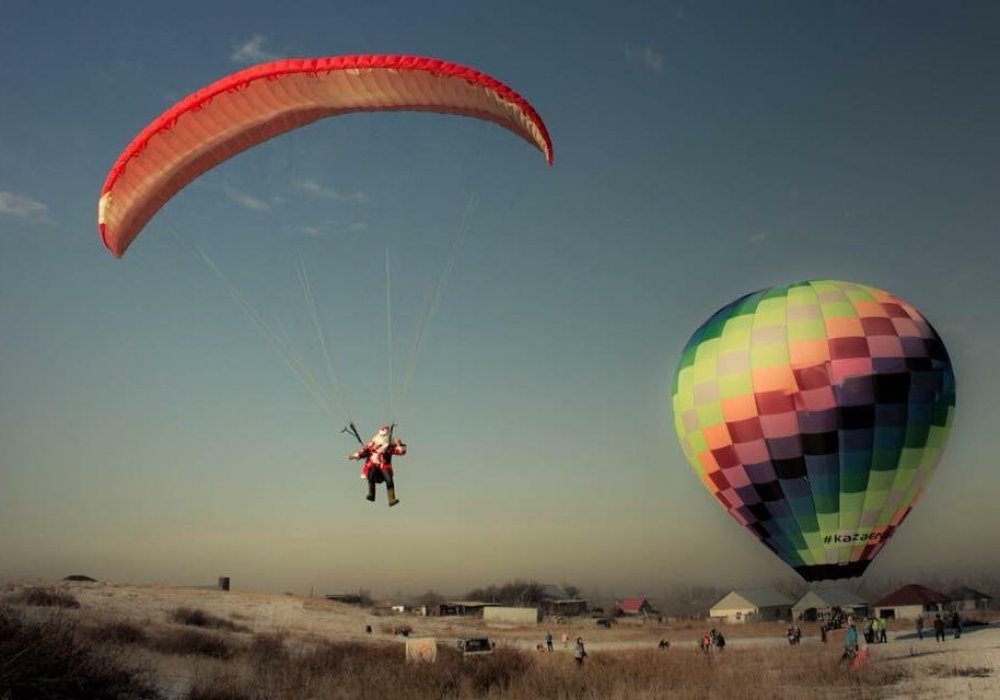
104	640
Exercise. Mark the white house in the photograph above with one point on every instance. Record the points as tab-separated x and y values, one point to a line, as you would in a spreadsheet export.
965	598
821	602
752	605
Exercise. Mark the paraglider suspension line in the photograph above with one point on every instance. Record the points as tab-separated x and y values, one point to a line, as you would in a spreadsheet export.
352	429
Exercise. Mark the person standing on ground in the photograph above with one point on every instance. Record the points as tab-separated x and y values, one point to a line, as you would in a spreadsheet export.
579	653
920	626
850	643
938	628
548	641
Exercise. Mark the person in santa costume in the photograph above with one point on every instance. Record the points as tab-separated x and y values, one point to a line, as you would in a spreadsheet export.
378	453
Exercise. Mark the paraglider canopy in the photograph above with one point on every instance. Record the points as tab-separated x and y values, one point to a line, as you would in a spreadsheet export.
250	106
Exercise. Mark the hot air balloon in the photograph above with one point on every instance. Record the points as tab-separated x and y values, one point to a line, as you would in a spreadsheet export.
815	414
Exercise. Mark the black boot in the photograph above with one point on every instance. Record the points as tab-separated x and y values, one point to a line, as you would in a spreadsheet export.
391	493
371	492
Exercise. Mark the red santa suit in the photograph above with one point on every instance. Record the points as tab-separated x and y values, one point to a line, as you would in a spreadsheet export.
378	454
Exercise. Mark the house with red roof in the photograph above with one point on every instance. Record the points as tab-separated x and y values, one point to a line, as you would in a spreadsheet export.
633	607
909	602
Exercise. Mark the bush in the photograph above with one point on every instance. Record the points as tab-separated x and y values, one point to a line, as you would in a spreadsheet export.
45	660
46	598
200	618
117	633
271	670
219	686
368	672
331	658
498	669
943	671
193	642
268	649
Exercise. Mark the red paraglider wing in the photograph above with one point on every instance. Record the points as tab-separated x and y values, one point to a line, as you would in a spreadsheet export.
258	103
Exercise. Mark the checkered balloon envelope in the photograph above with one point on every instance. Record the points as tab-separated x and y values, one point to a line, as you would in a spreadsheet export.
815	413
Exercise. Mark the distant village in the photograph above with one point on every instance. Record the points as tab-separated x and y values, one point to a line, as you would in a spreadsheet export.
530	602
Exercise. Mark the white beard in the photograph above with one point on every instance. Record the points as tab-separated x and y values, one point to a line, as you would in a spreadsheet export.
379	442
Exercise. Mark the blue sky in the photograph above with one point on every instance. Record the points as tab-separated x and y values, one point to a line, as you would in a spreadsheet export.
150	431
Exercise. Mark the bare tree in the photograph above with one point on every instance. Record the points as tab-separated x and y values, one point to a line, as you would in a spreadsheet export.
792	588
511	593
431	599
690	601
490	594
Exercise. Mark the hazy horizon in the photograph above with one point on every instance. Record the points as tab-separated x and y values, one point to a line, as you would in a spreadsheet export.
150	432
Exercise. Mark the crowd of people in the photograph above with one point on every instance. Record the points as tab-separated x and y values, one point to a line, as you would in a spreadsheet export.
874	632
940	625
859	633
579	650
713	639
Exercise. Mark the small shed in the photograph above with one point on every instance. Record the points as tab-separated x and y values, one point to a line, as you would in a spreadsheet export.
512	616
909	602
464	607
556	601
752	605
826	602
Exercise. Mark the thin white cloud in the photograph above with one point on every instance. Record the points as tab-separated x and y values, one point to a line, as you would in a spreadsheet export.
331	227
20	206
759	237
247	201
252	51
648	57
314	189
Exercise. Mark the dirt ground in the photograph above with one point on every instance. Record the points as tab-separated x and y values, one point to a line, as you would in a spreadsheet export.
967	667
